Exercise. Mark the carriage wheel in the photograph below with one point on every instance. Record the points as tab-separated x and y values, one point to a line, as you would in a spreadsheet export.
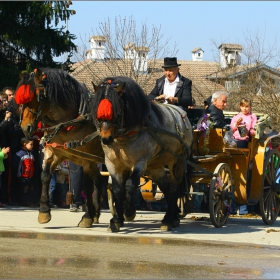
269	200
220	195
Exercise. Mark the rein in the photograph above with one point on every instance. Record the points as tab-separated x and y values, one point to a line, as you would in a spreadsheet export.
82	117
153	131
58	127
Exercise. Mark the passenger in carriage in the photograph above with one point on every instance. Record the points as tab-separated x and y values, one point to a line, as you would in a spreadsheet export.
215	109
243	123
172	88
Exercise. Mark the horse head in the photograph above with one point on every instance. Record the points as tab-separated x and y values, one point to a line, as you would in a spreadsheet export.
30	96
50	95
120	108
109	111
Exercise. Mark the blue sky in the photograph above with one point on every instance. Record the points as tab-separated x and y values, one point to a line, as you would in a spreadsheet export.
188	23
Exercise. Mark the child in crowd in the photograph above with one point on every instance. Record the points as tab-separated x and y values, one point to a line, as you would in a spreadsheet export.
3	155
243	124
23	163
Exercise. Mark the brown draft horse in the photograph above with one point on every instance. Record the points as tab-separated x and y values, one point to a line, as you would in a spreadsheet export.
141	138
54	97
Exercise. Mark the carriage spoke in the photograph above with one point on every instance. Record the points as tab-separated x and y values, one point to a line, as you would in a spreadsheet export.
220	195
269	201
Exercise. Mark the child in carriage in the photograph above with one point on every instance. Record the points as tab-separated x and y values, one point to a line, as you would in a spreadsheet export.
243	124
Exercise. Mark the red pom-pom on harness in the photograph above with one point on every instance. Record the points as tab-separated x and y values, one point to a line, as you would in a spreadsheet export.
105	110
23	94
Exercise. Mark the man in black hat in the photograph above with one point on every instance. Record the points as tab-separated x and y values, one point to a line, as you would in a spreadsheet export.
172	88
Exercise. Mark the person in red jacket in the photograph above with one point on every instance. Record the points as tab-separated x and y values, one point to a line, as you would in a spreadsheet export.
23	164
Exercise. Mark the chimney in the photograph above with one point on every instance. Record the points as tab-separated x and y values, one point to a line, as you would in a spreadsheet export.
230	55
197	54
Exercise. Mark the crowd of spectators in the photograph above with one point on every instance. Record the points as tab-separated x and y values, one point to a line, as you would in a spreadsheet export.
21	161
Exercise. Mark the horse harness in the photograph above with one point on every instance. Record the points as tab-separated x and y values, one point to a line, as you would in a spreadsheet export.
42	95
82	117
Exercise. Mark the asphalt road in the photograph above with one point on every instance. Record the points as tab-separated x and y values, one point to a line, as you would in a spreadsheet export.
244	248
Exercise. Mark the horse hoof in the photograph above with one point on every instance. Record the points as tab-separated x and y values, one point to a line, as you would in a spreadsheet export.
175	223
113	227
44	218
85	223
96	220
166	227
130	218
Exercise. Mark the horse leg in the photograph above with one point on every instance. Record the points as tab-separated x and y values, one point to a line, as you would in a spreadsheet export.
119	195
129	204
171	217
44	210
92	189
160	178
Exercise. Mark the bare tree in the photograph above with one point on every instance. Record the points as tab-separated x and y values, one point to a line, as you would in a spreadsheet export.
257	78
121	38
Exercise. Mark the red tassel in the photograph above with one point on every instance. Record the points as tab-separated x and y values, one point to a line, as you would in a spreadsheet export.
105	110
23	94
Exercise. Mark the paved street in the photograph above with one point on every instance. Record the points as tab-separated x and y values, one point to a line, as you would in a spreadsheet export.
146	224
244	248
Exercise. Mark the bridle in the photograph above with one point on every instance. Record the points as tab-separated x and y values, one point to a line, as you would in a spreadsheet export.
118	122
42	96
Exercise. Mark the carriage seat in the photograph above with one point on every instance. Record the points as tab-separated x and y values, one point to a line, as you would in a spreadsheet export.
215	142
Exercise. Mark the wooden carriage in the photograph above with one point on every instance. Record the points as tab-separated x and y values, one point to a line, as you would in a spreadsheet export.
225	174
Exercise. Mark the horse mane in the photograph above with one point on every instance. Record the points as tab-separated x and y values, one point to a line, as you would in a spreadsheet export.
133	102
61	88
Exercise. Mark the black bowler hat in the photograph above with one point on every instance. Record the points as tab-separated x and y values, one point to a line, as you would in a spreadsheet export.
170	62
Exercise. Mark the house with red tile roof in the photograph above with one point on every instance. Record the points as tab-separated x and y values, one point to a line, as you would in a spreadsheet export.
207	76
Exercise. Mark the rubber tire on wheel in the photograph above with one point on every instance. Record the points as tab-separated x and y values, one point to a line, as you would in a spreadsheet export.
269	200
220	197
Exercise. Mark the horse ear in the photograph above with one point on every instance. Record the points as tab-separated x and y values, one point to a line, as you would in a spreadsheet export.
96	88
38	75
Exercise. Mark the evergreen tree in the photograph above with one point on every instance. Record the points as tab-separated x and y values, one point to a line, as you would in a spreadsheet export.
29	36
